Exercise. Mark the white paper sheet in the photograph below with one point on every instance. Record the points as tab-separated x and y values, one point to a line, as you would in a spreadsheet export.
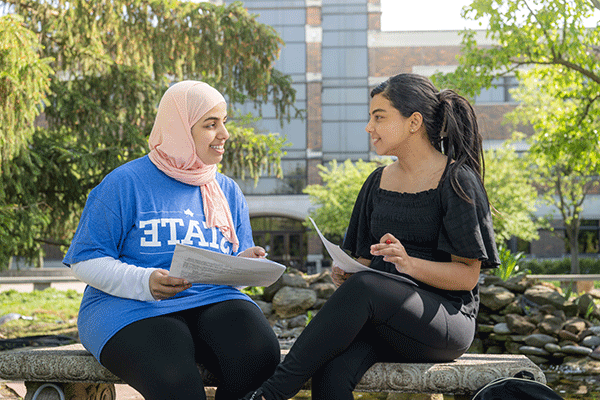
349	264
204	266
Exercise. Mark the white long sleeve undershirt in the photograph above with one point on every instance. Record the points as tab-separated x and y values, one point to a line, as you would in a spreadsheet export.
115	277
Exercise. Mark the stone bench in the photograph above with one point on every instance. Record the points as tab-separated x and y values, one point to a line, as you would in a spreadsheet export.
70	372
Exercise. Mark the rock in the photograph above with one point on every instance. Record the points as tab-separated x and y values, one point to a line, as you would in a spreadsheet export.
9	317
296	322
318	304
517	284
323	290
499	338
519	324
576	350
477	346
539	340
484	328
586	305
591	341
266	308
566	335
501	329
269	291
278	331
513	308
293	281
534	351
497	318
513	347
595	354
290	301
552	347
495	297
543	295
494	350
323	277
548	309
537	359
575	326
489	280
550	324
595	330
582	335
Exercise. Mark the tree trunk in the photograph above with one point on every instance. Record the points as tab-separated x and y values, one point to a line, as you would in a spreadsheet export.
574	244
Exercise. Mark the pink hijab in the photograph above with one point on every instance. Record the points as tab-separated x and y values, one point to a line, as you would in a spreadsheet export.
172	149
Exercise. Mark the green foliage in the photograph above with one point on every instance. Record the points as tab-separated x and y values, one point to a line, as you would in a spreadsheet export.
254	291
108	65
524	33
309	317
24	81
512	195
335	199
564	151
509	264
560	266
247	153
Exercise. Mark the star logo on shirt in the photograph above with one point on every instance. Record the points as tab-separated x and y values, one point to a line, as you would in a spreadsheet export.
188	212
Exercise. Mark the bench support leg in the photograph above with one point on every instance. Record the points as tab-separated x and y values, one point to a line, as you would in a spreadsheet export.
70	391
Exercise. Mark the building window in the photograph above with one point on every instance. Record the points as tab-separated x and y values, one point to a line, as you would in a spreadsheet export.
285	240
499	92
589	233
588	239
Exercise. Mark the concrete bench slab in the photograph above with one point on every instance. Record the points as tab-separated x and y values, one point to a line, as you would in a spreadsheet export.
74	370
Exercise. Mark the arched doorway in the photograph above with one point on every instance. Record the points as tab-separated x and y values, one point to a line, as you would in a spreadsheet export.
283	238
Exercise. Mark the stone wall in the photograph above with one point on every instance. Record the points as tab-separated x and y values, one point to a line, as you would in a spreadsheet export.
519	316
536	319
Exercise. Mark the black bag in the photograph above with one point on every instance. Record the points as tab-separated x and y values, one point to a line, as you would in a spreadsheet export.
522	386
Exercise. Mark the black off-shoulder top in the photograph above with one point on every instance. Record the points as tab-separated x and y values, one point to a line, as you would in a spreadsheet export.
431	225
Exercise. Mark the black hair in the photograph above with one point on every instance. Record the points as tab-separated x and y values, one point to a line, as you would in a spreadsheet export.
449	119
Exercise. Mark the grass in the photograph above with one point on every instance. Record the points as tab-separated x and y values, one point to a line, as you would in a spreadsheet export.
46	312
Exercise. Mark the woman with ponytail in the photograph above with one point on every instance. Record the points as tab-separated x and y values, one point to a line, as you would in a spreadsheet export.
148	328
425	219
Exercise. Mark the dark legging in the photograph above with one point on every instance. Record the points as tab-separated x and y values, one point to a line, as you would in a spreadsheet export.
369	319
158	356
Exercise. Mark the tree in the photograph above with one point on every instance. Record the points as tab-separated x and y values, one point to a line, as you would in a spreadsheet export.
548	34
251	154
113	60
562	160
511	194
24	81
526	33
335	199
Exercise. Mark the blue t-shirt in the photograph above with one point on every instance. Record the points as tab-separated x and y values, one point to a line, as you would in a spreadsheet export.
137	214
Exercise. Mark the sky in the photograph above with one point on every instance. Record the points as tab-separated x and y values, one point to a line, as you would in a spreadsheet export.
429	15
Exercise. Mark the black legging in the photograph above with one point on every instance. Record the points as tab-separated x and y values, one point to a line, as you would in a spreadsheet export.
369	319
157	356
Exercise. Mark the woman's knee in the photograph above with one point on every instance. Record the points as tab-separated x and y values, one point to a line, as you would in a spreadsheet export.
361	282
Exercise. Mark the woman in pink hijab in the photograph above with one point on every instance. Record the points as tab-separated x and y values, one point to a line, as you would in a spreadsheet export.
147	327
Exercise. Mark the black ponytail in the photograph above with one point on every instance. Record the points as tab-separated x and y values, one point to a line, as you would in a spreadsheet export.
449	119
460	137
